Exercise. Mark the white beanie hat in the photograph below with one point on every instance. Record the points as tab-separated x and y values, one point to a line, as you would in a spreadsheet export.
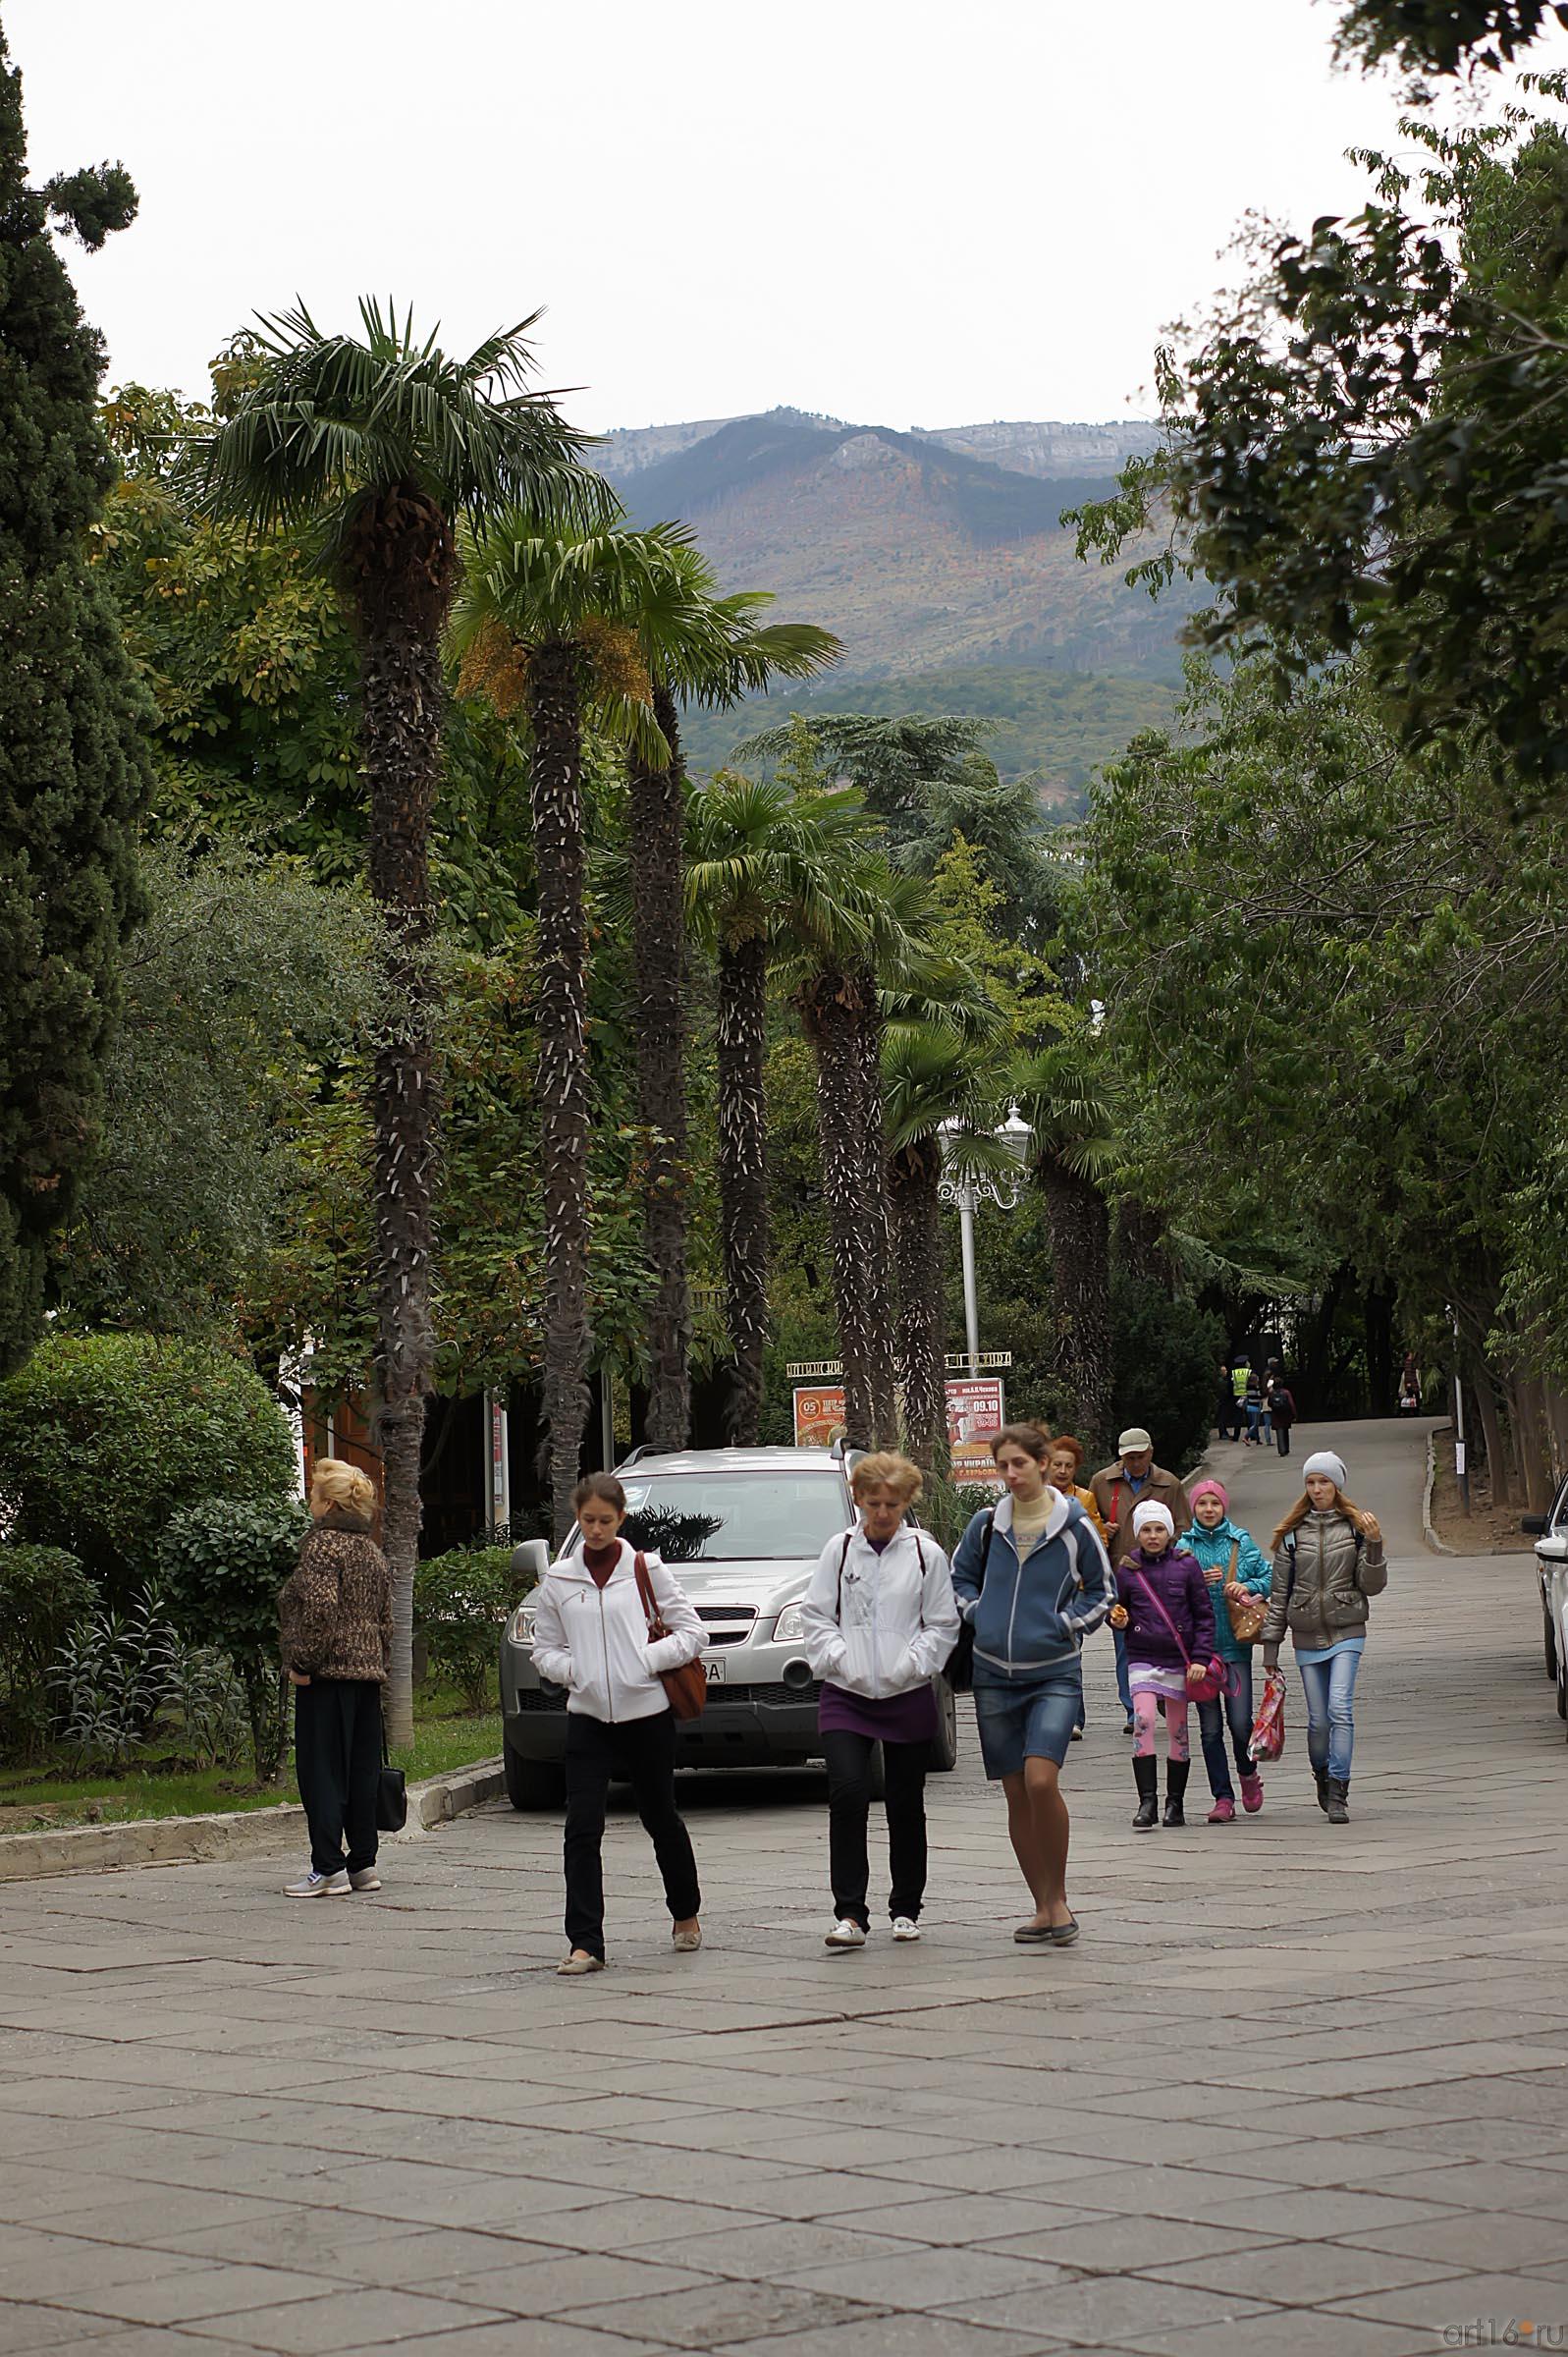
1151	1511
1324	1460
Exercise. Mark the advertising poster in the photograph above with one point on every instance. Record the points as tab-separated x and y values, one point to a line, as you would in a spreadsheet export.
975	1410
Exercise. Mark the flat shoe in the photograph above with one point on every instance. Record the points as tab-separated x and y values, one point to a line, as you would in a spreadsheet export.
1032	1934
1062	1935
575	1965
685	1944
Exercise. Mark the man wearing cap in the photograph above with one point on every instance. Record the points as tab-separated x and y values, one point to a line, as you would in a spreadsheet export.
1117	1491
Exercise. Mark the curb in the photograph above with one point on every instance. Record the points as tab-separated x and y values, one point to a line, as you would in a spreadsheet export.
238	1834
1438	1545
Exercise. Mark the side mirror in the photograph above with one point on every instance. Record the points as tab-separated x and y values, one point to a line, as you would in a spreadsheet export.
1534	1525
1553	1550
529	1563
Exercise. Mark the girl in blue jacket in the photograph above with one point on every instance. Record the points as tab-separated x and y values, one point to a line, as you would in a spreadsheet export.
1234	1566
1031	1578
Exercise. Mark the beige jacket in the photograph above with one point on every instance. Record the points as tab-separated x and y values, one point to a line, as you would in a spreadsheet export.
1116	1501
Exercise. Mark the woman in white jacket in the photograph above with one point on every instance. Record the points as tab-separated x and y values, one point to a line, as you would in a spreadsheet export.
880	1621
591	1636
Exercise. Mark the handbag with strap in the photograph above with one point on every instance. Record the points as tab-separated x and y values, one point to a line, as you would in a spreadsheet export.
1210	1685
1246	1619
391	1791
688	1686
961	1659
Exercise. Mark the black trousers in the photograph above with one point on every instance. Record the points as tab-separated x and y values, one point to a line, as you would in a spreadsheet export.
643	1751
848	1758
337	1758
1282	1436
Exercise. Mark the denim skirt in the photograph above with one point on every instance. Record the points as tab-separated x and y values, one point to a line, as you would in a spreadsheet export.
1028	1719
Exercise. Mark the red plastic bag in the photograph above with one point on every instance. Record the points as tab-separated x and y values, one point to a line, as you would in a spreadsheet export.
1267	1739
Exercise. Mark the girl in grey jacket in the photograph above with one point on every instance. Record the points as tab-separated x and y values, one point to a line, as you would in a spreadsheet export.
1329	1559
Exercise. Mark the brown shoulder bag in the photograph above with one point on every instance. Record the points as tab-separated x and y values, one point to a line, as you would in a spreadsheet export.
688	1686
1246	1620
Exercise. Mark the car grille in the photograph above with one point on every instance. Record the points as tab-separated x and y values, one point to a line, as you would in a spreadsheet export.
727	1624
763	1698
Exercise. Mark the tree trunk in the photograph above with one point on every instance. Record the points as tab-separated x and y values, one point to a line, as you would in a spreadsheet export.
1485	1391
913	1176
743	1172
658	931
1534	1443
1378	1319
881	1355
1080	1296
554	697
830	1011
401	570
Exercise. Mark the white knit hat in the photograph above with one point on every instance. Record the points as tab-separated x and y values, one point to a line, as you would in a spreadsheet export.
1151	1511
1324	1460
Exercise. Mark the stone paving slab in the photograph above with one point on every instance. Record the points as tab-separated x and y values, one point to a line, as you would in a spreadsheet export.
1298	2089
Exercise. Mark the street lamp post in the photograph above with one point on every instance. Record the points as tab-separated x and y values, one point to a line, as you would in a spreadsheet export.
966	1184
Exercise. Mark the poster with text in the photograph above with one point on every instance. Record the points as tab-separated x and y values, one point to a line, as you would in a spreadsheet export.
975	1410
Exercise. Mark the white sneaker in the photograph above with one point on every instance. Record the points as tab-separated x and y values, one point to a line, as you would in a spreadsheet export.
319	1886
845	1934
904	1927
363	1878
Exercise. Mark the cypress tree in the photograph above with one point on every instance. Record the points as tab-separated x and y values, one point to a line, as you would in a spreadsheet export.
73	768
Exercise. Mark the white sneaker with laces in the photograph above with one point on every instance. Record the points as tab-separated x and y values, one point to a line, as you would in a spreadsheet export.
319	1886
904	1927
363	1878
845	1934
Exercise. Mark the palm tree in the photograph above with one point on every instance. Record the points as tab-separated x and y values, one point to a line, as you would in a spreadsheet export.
760	863
700	648
936	1078
383	444
1075	1157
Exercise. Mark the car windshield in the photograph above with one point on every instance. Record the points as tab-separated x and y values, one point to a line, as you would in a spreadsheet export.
733	1517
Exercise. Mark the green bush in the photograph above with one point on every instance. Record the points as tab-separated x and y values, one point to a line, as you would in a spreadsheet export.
461	1601
103	1436
221	1565
44	1593
1166	1369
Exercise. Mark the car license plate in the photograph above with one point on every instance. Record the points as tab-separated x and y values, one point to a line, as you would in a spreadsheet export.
716	1673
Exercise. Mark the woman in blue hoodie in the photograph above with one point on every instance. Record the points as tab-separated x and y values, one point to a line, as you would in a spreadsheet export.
1031	1578
1235	1568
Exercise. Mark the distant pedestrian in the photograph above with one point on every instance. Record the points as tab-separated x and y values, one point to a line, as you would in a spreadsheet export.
1252	1404
335	1637
1283	1409
1168	1622
1118	1489
1409	1396
879	1621
1327	1559
1225	1410
1240	1378
1237	1573
1032	1579
591	1636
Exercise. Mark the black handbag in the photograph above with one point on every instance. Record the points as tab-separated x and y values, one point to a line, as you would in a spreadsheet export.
391	1791
961	1659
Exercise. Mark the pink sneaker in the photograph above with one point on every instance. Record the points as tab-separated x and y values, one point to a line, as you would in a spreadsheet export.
1223	1812
1251	1794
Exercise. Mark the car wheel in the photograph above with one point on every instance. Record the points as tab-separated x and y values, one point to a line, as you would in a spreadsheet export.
944	1749
1562	1688
1549	1640
535	1783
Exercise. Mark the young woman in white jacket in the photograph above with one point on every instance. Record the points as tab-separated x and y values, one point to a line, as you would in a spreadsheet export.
880	1621
591	1636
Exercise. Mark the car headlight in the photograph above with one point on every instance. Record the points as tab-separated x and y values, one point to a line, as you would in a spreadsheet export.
521	1630
790	1628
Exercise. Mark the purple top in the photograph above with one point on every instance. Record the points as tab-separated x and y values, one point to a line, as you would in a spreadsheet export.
909	1717
1176	1578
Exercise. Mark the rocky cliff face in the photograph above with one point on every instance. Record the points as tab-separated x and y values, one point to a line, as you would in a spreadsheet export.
1048	448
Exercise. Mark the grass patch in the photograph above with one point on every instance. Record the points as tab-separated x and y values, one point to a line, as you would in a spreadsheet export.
44	1794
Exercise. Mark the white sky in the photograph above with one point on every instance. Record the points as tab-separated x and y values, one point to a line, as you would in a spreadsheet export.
891	211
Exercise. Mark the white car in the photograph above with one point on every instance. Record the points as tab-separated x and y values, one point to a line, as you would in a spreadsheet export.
1550	1533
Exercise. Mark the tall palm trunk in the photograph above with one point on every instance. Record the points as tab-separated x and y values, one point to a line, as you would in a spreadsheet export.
658	858
744	1172
554	702
914	1176
880	1352
1080	1295
400	568
830	1011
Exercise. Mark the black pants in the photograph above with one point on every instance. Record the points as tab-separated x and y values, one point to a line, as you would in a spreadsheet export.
643	1751
848	1758
1282	1436
337	1758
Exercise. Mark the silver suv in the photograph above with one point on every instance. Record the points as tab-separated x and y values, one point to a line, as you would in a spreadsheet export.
742	1529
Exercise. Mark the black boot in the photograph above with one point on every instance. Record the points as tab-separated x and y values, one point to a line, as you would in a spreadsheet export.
1176	1774
1147	1773
1338	1795
1322	1775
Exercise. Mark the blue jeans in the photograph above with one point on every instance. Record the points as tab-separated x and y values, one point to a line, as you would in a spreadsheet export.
1331	1690
1122	1689
1232	1709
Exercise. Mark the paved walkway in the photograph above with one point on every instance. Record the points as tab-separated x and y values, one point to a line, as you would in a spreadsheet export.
1297	2089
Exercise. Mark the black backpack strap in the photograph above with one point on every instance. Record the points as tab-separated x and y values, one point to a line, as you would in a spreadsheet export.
843	1557
985	1545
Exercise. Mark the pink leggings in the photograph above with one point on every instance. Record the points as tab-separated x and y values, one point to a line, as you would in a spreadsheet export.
1145	1708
